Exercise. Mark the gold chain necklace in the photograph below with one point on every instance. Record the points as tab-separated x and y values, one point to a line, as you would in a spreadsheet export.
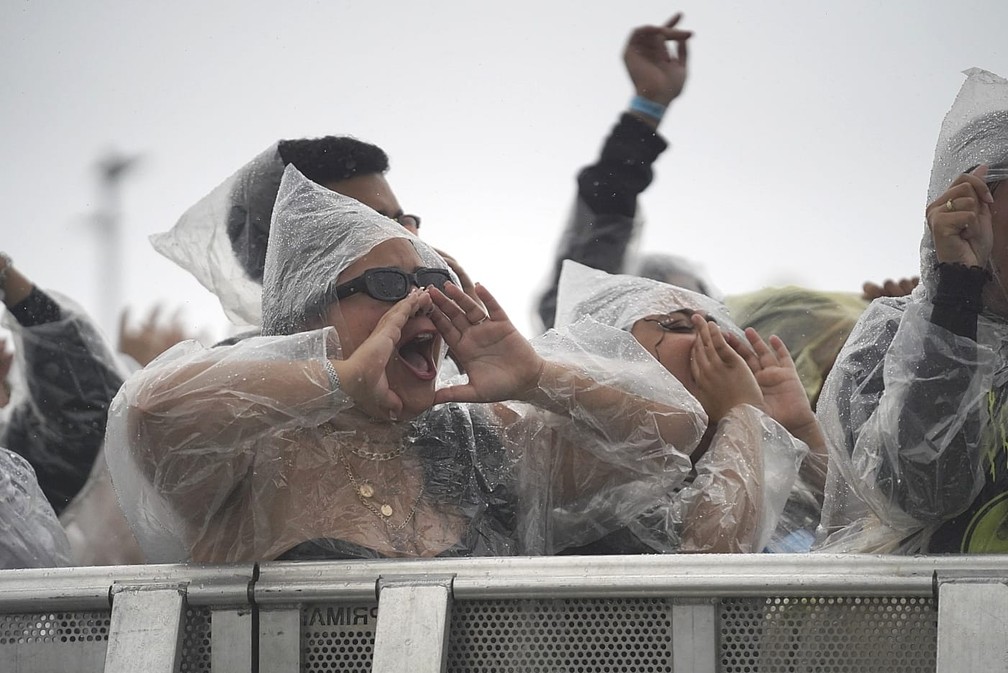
366	493
360	452
378	456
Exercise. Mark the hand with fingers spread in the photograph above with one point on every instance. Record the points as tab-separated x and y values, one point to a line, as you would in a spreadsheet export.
785	399
363	374
500	362
722	376
960	221
153	336
467	284
784	396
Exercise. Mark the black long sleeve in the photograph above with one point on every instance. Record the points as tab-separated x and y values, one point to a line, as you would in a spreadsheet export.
71	377
602	222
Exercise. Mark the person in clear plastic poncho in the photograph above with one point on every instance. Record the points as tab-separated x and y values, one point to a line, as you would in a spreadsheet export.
221	239
915	405
745	465
30	534
286	446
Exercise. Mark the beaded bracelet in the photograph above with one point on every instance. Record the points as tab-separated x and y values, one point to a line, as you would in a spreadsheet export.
334	382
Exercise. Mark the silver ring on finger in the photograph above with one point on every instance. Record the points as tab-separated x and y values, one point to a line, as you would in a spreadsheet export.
480	321
950	205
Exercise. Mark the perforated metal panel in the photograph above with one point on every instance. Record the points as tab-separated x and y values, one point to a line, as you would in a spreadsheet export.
584	635
55	641
54	627
828	635
196	641
337	637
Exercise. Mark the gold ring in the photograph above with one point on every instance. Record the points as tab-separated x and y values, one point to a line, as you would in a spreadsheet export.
949	206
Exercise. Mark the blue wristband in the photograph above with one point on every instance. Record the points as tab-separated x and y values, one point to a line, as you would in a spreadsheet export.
647	107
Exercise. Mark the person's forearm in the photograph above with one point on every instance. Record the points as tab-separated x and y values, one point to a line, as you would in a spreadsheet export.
567	392
722	506
958	299
601	224
623	170
910	415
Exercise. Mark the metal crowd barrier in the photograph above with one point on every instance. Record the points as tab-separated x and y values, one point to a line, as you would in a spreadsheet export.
697	614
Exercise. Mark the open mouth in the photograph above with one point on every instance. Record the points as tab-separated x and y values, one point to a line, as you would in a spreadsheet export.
418	356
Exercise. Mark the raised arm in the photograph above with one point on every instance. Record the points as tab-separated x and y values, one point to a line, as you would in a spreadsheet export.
70	376
601	223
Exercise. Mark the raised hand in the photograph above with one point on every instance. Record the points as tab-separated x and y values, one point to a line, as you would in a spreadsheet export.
656	74
363	376
500	363
785	400
152	337
723	378
468	286
960	220
889	288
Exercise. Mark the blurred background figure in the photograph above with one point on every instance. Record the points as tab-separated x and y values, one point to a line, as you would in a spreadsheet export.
154	334
97	529
58	382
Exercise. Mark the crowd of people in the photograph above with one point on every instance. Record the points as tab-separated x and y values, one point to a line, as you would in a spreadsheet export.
376	402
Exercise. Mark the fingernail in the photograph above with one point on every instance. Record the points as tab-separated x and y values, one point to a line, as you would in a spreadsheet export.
392	416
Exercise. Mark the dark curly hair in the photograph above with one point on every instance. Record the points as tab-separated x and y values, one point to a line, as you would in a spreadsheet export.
333	158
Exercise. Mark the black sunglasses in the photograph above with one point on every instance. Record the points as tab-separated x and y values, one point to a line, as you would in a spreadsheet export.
391	284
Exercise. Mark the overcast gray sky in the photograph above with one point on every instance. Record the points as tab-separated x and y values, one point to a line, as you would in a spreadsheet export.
801	147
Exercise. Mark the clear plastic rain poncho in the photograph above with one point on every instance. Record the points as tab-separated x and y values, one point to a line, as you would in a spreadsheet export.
220	238
246	452
741	483
30	534
915	414
66	376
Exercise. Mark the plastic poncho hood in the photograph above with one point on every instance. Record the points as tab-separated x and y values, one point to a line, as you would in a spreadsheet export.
912	410
620	300
751	457
219	240
974	132
315	235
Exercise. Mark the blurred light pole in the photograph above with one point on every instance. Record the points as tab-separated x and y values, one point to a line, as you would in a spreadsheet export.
111	169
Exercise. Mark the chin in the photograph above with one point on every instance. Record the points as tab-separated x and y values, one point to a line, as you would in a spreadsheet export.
415	402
